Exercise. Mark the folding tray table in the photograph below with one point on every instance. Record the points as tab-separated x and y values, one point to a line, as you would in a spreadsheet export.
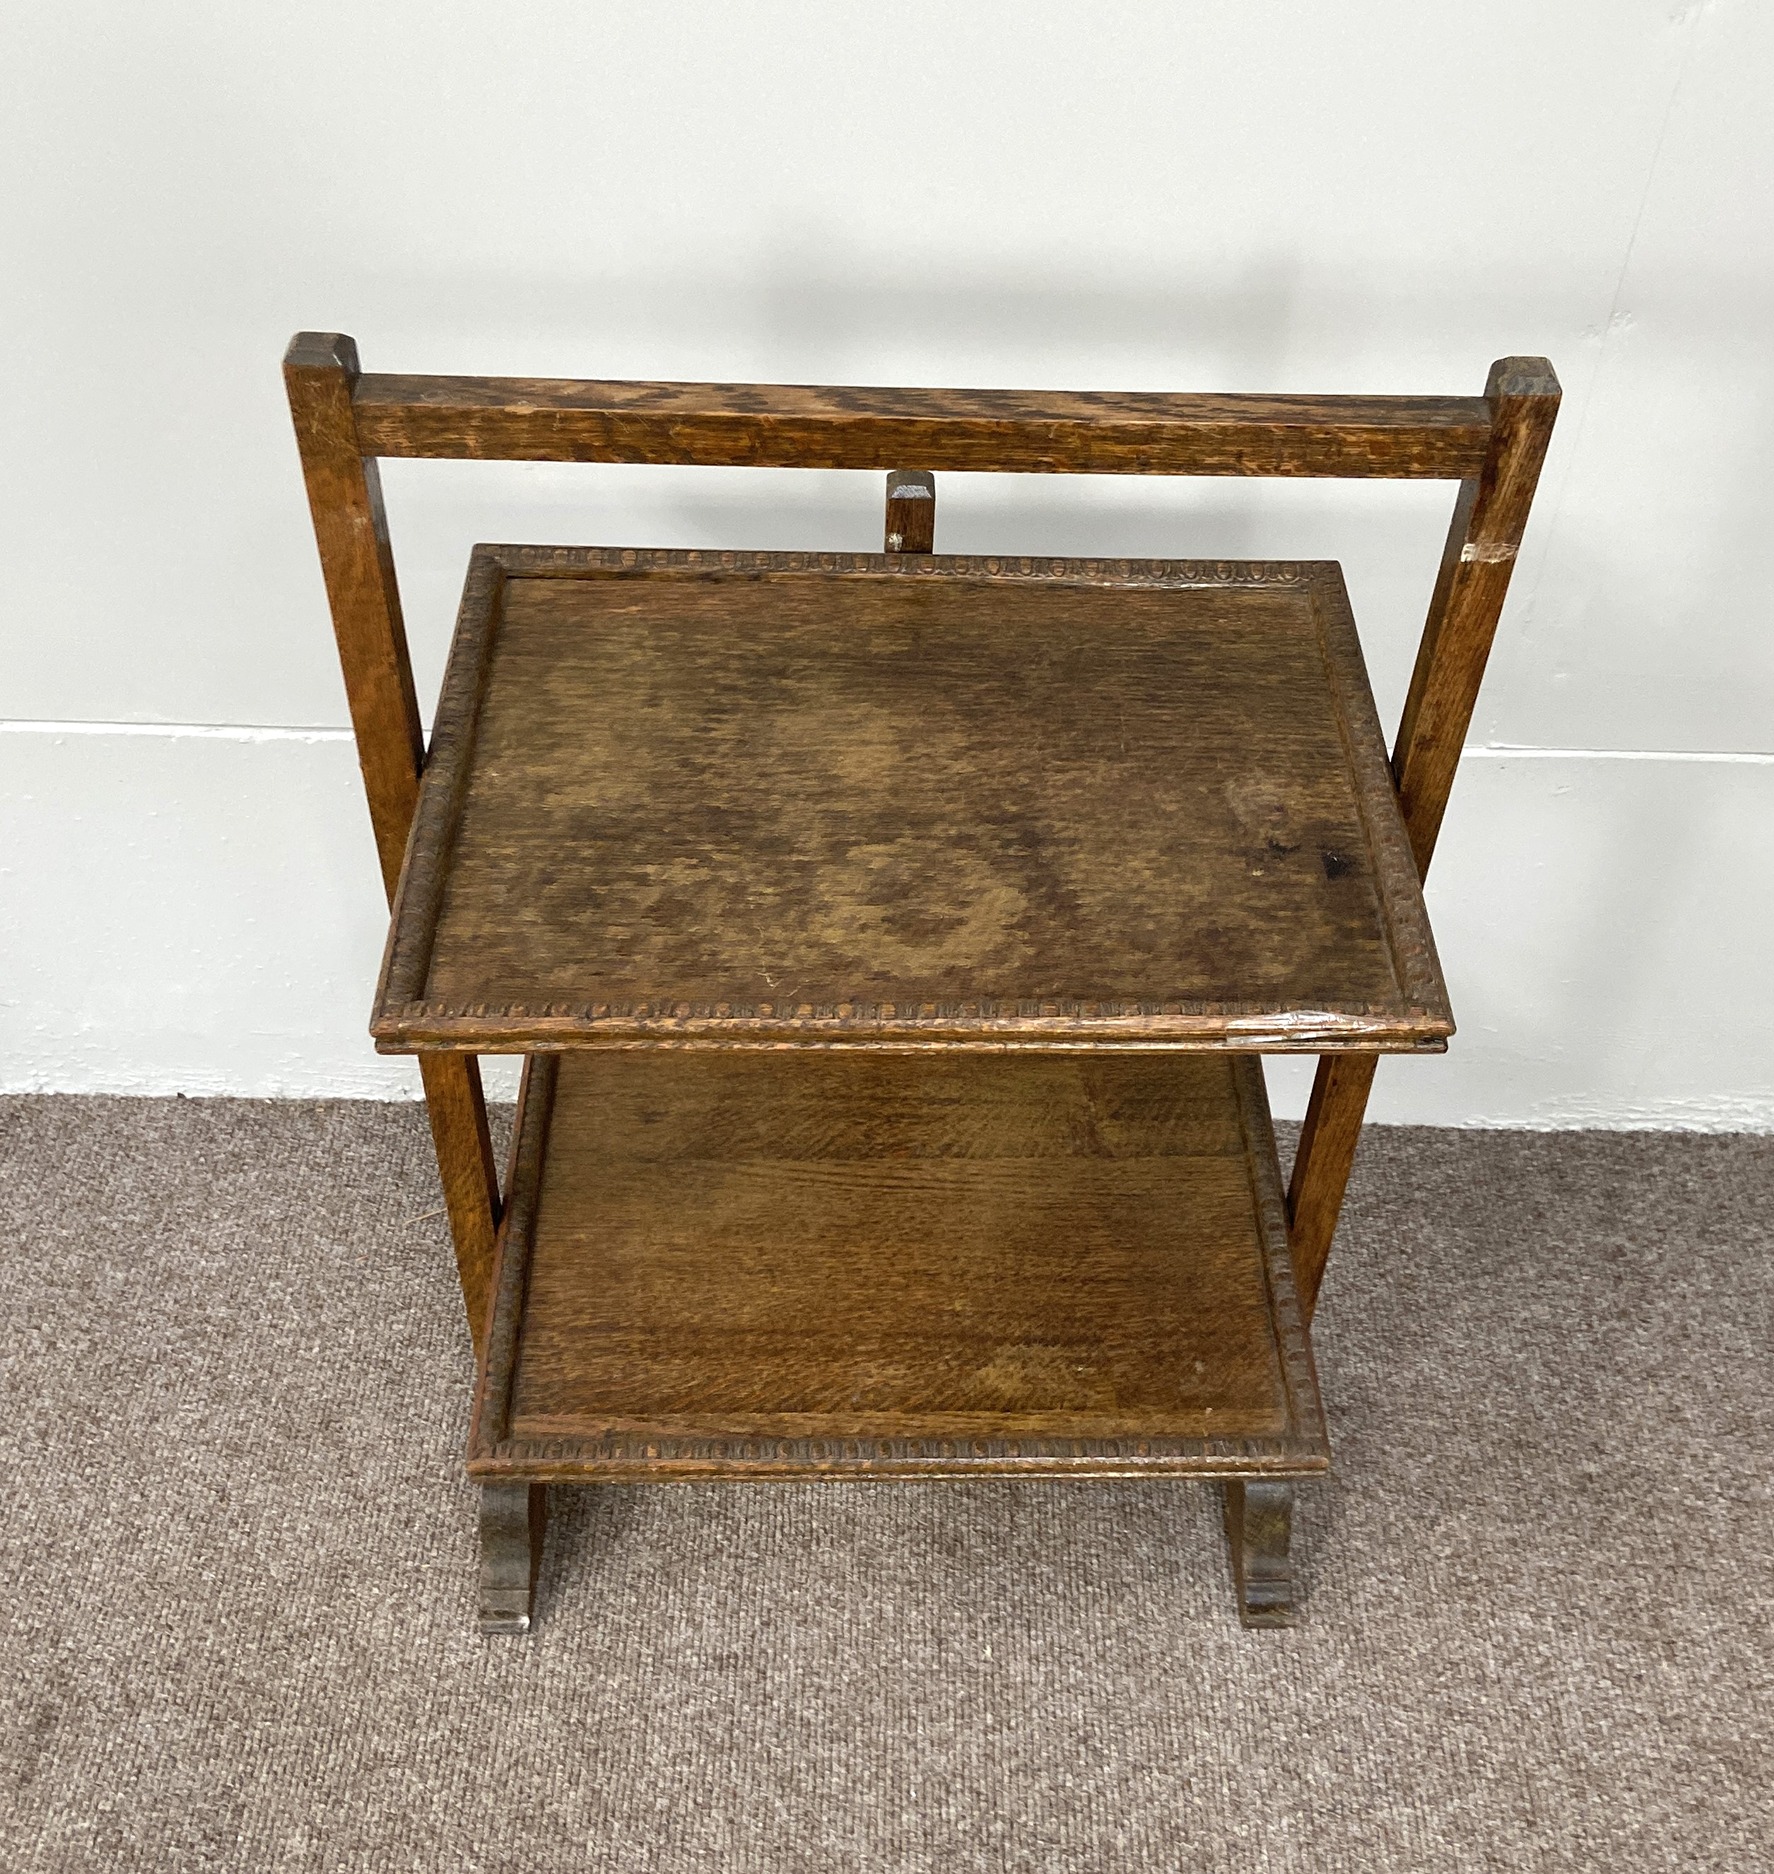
893	938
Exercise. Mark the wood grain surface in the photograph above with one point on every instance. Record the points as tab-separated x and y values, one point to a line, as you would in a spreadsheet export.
734	1263
1323	1159
875	798
1484	537
839	426
357	562
320	371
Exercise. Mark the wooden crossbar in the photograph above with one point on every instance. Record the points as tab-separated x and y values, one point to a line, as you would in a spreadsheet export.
1012	431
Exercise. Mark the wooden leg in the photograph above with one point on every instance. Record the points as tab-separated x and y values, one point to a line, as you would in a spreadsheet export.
1321	1165
1259	1529
470	1179
512	1520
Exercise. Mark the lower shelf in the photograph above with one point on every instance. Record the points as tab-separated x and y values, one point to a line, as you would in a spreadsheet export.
764	1264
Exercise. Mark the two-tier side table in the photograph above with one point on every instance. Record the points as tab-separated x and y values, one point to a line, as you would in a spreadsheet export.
893	937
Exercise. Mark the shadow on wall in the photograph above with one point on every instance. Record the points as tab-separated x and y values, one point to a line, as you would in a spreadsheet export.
811	312
1229	333
806	317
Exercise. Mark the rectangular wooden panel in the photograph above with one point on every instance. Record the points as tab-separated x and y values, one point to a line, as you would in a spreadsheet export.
726	1263
826	426
877	799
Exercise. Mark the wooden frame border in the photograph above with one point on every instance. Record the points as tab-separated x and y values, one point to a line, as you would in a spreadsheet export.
494	1455
1494	446
404	1020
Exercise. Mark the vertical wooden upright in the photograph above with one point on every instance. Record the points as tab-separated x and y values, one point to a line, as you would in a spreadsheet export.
911	511
351	528
1489	518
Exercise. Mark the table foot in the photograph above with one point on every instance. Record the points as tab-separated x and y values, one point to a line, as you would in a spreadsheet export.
512	1520
1259	1530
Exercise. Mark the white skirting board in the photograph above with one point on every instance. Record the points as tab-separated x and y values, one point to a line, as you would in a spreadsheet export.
198	912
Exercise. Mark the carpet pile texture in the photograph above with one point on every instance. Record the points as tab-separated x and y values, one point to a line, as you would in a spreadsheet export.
1538	1621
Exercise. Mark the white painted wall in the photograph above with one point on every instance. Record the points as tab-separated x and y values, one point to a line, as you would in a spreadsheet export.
1259	194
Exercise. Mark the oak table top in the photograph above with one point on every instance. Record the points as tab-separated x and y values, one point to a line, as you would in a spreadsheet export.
683	798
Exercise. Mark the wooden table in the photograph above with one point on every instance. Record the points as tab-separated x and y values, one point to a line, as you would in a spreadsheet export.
892	938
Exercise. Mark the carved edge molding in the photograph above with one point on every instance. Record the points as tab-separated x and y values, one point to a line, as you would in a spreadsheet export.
634	1454
519	561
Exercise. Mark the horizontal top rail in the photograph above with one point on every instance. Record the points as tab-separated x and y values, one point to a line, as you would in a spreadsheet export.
819	426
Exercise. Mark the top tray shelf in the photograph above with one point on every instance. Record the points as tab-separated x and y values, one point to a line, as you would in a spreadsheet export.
760	799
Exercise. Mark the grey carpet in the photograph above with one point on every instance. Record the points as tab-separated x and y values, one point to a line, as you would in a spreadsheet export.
240	1635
